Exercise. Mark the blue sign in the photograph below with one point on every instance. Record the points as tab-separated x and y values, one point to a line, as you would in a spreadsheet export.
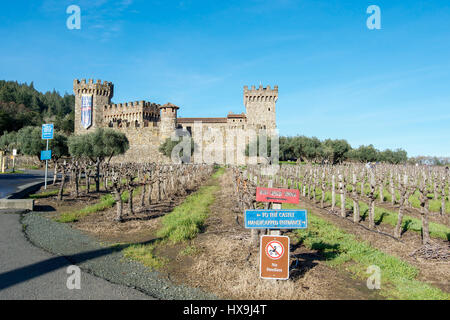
276	219
46	154
86	110
47	131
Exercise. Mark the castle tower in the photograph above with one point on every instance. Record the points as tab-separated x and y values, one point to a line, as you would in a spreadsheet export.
168	119
260	107
90	99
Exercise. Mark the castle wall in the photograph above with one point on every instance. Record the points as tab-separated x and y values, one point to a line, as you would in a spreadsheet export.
147	125
144	144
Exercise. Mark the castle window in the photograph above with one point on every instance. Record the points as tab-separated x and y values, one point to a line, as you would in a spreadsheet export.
269	109
189	129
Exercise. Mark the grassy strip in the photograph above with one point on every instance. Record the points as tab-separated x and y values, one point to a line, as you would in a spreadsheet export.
145	255
186	220
341	249
183	223
106	202
44	194
15	172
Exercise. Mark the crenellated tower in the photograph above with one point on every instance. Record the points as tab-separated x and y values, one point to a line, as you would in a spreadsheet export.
260	106
90	100
168	120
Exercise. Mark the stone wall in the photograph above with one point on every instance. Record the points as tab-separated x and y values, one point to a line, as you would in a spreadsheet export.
144	144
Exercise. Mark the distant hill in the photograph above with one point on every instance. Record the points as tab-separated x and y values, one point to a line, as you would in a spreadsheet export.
22	105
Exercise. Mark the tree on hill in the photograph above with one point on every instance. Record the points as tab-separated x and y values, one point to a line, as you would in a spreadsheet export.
22	105
98	146
8	141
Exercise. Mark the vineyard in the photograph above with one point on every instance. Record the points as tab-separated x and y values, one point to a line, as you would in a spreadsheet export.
393	216
407	198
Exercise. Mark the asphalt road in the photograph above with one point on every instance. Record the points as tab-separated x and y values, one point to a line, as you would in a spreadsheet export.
27	272
10	183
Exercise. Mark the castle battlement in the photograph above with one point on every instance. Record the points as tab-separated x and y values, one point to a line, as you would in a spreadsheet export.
260	94
82	87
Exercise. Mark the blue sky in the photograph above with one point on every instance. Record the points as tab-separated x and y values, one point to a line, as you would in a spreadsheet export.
336	78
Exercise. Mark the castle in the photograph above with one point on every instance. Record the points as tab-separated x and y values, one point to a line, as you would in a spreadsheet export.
147	125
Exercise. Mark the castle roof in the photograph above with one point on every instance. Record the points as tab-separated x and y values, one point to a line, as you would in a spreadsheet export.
232	115
169	105
204	120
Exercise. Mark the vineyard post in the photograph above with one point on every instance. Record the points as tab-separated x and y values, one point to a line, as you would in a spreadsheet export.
443	196
274	206
333	192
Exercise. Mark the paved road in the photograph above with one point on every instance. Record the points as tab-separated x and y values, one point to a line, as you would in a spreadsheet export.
10	183
27	272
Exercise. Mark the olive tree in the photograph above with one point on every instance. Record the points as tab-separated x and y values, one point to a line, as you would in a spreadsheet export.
98	146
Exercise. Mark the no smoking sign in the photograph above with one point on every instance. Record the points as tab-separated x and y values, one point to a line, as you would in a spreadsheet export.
274	252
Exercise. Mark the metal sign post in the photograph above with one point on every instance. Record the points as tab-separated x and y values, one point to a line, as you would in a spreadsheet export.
46	169
14	159
47	134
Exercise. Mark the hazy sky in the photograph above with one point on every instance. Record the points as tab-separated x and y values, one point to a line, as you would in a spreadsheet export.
336	78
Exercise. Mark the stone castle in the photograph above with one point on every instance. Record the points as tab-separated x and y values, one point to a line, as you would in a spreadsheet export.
147	125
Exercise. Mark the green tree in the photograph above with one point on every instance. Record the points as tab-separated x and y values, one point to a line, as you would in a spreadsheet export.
98	146
336	150
8	141
30	141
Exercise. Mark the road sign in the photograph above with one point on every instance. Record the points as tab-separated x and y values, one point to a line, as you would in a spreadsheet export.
276	219
46	154
14	152
277	195
47	131
274	256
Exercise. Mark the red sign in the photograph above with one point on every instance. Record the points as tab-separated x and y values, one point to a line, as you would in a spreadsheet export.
277	195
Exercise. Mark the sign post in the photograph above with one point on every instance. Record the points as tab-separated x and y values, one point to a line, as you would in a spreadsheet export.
14	159
274	248
47	134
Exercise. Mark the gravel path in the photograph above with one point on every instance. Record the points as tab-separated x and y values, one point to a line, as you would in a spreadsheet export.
101	261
